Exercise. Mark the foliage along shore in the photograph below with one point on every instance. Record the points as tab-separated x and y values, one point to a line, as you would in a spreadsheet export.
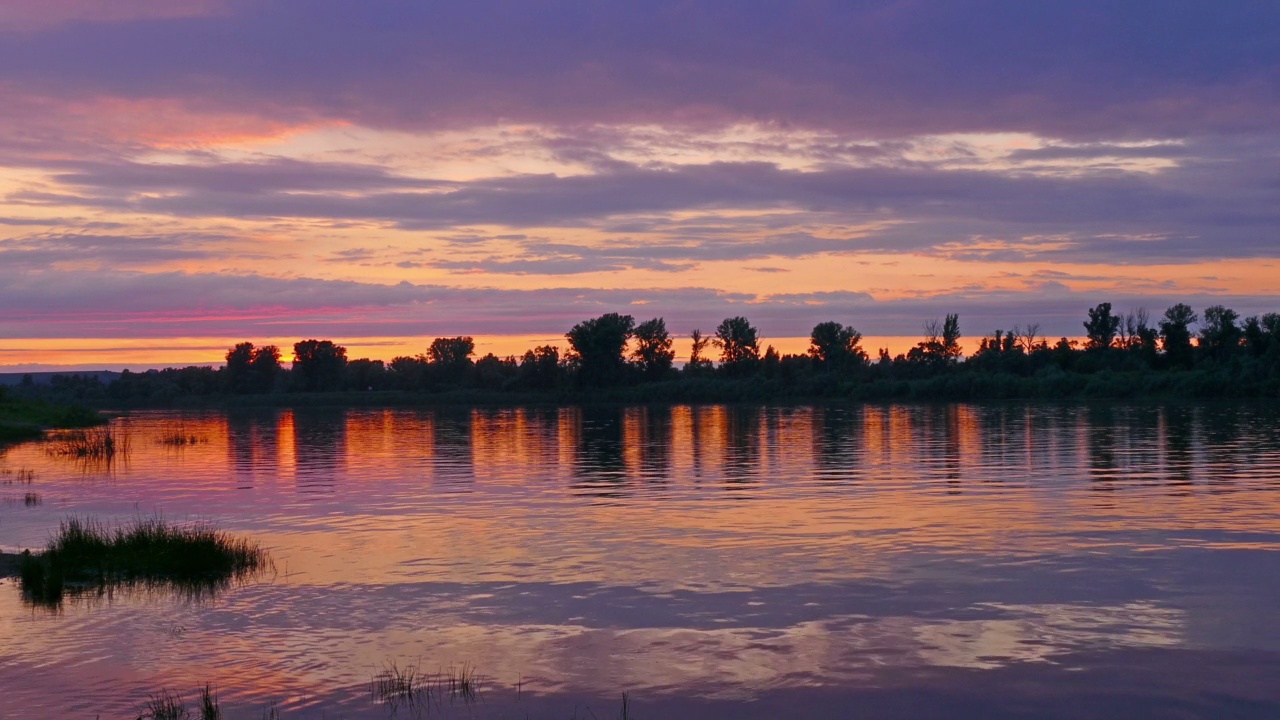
26	418
612	359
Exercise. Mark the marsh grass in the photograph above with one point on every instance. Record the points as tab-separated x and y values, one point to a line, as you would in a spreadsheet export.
177	435
32	499
209	709
103	443
196	560
396	686
409	687
464	682
164	705
21	476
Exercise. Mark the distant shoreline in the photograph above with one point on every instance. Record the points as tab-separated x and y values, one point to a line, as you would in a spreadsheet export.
9	564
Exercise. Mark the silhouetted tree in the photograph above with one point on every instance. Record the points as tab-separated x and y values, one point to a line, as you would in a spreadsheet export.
739	345
941	344
408	373
239	368
836	347
1101	327
366	374
597	347
318	365
451	352
1219	334
1175	333
1261	333
494	373
540	367
449	361
653	351
698	360
250	369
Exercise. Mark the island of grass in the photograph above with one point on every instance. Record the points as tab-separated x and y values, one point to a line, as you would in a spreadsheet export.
27	419
85	555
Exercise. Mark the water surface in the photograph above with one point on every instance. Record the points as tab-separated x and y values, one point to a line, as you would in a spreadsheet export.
886	561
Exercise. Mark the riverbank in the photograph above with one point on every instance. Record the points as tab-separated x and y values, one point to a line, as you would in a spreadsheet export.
23	419
960	386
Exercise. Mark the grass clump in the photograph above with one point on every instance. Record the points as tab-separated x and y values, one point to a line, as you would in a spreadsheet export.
177	435
398	686
86	554
22	476
92	444
166	705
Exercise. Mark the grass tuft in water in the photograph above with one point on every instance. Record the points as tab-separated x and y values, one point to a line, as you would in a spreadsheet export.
32	499
101	443
397	686
464	682
196	558
22	476
164	705
177	435
209	709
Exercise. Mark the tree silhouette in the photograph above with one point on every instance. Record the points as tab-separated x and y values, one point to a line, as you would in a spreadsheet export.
266	367
318	364
540	367
698	361
739	345
597	347
250	369
1219	334
239	368
452	352
653	351
1101	327
941	344
836	347
1175	333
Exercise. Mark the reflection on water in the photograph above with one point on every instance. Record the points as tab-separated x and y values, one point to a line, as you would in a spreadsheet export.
689	555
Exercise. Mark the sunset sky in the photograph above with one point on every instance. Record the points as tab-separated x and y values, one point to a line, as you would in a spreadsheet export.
180	175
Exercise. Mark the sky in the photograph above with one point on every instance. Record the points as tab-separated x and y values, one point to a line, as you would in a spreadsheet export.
180	175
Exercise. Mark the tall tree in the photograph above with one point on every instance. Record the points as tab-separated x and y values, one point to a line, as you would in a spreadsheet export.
265	366
836	347
698	360
739	345
597	346
1175	334
1101	327
452	352
239	368
318	365
540	367
252	369
1219	334
653	351
941	344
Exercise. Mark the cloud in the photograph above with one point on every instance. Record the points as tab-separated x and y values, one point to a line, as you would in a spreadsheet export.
884	68
158	305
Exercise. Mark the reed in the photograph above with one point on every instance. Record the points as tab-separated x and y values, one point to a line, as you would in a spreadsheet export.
164	705
209	709
197	559
177	435
101	443
395	686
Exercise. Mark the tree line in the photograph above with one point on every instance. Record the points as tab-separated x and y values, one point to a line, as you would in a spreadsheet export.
613	356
